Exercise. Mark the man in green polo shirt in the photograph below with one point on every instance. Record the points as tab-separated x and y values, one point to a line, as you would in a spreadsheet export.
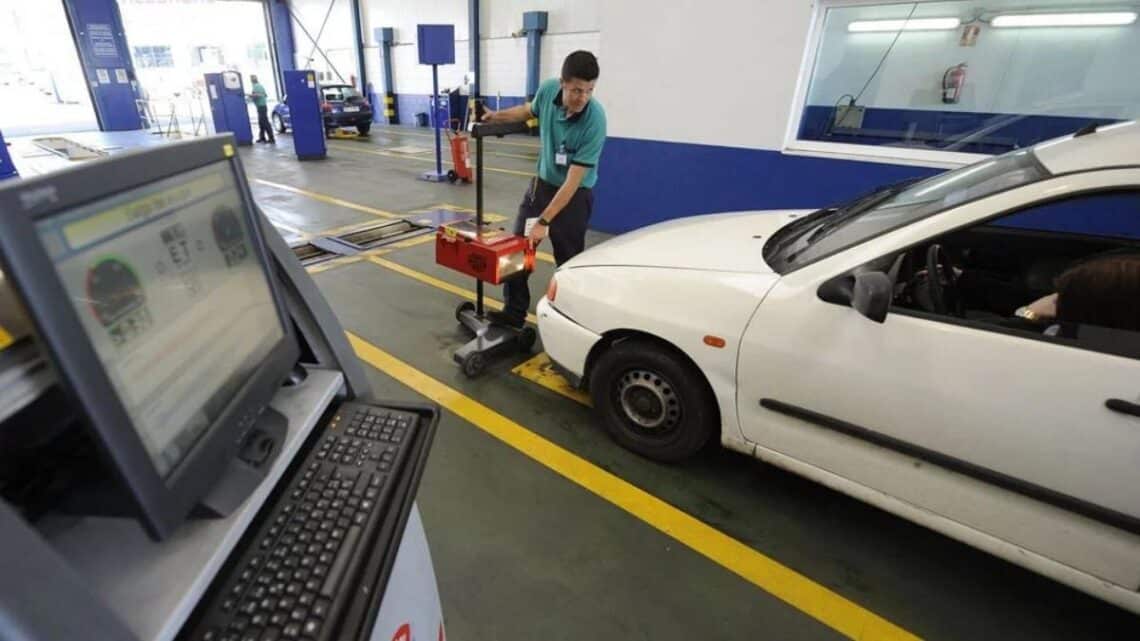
572	127
258	96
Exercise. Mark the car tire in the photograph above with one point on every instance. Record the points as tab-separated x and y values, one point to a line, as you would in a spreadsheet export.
363	128
653	401
278	124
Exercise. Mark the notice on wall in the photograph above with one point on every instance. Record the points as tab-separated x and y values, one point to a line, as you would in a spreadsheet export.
213	92
103	76
121	76
102	40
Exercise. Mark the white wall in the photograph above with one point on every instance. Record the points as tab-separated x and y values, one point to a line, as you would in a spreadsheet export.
1060	71
718	72
572	24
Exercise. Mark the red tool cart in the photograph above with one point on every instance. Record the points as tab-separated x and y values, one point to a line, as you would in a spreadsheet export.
491	256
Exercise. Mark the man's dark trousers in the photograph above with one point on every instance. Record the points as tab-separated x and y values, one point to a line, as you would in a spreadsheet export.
264	128
567	235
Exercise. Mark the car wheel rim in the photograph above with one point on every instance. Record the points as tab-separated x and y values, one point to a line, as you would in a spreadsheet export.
648	402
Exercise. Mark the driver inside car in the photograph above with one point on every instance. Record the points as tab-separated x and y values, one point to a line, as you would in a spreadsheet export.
1102	291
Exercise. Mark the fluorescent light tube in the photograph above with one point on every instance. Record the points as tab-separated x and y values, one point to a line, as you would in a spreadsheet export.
1101	19
914	24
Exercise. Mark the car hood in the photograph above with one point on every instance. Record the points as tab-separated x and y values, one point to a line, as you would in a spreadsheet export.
718	242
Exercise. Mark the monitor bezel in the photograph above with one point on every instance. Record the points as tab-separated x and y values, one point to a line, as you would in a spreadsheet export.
162	503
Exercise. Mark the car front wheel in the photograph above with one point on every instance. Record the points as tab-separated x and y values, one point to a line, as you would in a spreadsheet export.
653	401
363	127
278	124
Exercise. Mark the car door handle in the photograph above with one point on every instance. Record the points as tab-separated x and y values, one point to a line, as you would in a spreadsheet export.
1122	406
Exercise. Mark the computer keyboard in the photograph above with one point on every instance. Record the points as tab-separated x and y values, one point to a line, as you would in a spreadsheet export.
296	573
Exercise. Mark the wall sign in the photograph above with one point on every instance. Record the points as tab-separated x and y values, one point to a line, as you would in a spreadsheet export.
102	40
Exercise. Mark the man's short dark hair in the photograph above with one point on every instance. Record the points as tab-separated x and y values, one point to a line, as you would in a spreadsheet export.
581	65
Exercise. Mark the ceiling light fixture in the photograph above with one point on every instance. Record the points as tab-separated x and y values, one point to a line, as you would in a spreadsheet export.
1100	19
914	24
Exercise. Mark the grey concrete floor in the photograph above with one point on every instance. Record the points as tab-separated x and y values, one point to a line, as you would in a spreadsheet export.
522	553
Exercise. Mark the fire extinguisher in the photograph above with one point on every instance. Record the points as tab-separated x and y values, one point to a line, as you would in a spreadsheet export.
952	82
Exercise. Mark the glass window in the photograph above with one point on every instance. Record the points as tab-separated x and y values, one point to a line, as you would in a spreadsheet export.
837	228
153	57
964	77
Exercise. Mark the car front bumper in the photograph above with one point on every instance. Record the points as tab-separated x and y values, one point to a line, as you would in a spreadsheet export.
567	343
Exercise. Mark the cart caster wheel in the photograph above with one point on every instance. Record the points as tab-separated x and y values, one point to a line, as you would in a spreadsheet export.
452	176
474	364
527	337
465	307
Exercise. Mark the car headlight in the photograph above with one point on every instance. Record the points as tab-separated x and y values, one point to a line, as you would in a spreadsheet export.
552	288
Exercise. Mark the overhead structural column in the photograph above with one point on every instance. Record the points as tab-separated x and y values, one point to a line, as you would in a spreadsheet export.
284	50
534	25
475	43
358	37
97	29
386	36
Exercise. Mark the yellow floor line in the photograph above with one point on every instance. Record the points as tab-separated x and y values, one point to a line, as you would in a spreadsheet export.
540	370
329	199
398	132
813	599
526	174
304	236
441	284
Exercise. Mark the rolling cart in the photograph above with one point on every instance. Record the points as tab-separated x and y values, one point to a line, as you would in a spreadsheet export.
492	256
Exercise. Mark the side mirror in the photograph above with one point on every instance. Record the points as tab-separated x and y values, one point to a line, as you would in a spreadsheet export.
871	295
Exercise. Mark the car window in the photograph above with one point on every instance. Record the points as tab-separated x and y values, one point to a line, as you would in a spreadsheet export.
1083	253
855	223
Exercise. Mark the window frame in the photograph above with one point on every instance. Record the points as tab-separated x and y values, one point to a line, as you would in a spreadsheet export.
795	146
1122	351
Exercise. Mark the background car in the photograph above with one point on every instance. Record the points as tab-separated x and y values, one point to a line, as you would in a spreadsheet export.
341	106
876	347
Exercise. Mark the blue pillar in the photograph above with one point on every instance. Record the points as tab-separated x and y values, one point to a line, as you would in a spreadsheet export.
534	24
386	36
476	68
7	168
284	49
105	57
436	44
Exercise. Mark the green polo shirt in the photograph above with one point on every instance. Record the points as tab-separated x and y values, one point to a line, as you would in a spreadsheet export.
581	135
259	95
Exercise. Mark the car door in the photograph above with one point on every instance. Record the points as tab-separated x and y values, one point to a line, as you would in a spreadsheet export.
820	383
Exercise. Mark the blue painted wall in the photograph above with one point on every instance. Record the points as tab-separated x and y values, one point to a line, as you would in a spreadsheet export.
644	181
886	126
408	105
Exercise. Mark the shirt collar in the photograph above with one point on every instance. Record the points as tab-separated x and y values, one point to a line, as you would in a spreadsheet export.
575	117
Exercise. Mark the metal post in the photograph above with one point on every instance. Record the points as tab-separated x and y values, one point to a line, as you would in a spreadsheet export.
435	117
534	24
479	215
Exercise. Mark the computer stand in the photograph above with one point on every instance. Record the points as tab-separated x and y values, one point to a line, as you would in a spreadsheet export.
248	469
490	340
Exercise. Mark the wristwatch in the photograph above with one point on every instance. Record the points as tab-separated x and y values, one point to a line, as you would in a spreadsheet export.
544	222
1026	313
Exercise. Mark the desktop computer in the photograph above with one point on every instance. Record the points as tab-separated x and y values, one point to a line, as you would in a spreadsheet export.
152	294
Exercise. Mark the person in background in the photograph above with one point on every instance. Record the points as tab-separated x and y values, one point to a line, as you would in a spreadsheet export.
258	96
560	199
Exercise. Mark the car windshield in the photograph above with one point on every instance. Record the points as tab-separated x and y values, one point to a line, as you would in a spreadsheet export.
340	93
834	229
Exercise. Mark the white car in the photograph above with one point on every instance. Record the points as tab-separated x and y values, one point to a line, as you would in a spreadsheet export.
874	348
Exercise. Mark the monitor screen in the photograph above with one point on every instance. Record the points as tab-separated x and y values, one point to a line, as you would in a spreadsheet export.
169	289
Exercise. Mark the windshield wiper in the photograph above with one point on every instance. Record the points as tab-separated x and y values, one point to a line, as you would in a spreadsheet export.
858	207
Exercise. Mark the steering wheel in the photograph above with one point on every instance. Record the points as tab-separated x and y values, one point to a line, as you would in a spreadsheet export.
941	281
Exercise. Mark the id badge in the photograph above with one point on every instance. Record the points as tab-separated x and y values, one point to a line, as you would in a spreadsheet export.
561	159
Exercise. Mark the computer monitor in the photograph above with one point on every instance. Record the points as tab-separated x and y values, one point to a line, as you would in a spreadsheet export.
150	287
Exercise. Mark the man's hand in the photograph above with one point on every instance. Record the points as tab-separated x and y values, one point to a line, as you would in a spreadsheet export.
537	233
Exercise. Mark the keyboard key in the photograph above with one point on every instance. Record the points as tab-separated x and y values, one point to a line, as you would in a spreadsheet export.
292	631
228	605
311	627
286	604
306	599
293	589
211	635
298	614
271	634
360	518
278	618
239	624
321	608
249	607
268	604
